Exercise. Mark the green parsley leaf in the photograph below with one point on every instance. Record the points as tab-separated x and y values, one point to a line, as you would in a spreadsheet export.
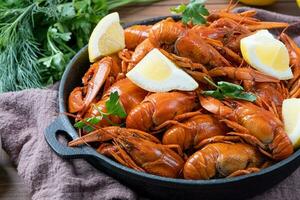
179	9
228	90
227	87
194	12
114	106
84	124
247	96
214	93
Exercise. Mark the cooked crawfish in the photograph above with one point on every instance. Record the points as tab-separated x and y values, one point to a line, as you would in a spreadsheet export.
256	125
148	156
181	134
192	46
163	33
222	160
136	34
294	52
270	96
130	96
135	149
231	31
141	50
219	39
166	32
200	127
159	108
81	97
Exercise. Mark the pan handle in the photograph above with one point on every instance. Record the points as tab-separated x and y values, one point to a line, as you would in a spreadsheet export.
51	135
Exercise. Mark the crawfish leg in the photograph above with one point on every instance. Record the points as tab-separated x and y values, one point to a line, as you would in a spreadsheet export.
184	62
295	91
248	13
270	107
232	55
267	25
264	152
219	138
166	124
95	136
250	139
244	172
235	126
228	53
198	76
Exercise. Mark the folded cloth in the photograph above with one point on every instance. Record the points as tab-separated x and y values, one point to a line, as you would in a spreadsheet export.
24	117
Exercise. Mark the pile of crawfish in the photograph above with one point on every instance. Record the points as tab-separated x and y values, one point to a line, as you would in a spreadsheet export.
185	134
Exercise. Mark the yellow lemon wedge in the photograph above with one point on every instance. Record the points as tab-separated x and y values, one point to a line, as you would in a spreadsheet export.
156	73
298	3
258	2
291	118
106	38
267	54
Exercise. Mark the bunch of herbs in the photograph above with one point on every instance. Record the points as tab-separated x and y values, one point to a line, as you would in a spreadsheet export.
39	37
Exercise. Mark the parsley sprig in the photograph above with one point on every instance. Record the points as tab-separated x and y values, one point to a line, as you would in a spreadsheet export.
228	90
113	107
194	12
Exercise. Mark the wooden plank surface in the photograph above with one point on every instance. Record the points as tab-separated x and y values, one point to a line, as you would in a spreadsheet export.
12	186
133	13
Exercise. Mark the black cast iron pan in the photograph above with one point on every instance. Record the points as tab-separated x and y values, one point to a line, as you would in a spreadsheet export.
147	184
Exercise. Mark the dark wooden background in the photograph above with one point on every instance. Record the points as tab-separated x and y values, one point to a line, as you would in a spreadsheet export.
12	186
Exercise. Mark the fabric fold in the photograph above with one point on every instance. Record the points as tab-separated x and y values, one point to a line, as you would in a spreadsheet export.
24	117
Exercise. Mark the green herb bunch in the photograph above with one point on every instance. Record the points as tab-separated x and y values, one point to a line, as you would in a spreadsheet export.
39	37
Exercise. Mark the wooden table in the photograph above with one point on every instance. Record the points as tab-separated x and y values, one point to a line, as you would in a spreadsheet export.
133	13
12	186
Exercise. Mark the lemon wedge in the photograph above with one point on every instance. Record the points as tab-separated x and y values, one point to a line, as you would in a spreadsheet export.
267	54
106	38
298	3
291	118
156	73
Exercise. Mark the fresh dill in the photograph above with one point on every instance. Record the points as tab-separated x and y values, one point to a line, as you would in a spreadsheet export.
39	37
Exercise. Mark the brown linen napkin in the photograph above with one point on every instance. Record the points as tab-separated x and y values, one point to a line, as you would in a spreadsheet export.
25	115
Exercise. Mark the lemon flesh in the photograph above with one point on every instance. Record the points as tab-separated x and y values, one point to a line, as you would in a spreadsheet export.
267	54
107	37
156	73
291	118
258	2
